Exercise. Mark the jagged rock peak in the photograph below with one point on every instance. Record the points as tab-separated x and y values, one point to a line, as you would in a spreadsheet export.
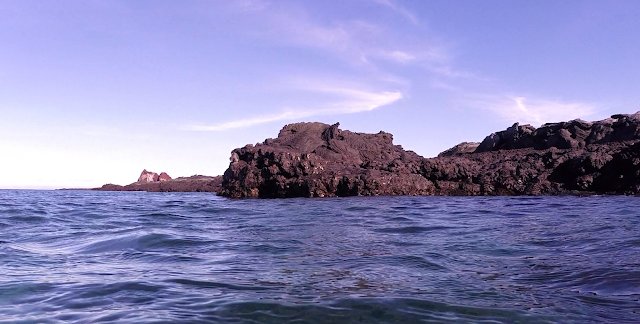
148	176
164	177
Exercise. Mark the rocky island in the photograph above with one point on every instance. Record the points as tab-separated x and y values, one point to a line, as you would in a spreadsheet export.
153	182
319	160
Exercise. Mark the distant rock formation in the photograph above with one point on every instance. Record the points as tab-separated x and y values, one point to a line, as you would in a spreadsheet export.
196	183
164	177
152	182
147	176
320	160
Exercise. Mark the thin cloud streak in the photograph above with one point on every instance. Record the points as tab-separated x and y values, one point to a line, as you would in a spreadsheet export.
356	101
533	111
406	13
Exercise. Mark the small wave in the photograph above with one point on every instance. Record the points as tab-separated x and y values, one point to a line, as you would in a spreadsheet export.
145	242
412	261
412	229
27	219
371	310
136	242
360	208
212	284
604	282
400	219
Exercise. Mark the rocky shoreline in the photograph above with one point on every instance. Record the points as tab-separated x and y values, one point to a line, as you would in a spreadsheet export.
320	160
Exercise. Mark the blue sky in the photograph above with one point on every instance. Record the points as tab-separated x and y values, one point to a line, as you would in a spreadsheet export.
92	92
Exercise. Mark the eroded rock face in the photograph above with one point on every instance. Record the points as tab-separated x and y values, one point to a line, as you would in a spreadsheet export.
320	160
147	176
164	177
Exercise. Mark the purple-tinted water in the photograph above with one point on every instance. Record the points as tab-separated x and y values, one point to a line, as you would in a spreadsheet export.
100	257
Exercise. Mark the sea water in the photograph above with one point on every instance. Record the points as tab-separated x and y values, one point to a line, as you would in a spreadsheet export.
135	257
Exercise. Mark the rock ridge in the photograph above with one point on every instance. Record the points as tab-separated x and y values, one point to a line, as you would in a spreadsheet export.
573	134
321	160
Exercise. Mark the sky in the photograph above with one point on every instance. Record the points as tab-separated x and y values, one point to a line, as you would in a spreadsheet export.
94	91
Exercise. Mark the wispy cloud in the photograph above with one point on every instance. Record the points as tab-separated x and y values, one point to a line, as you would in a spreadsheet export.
356	40
399	9
533	111
351	101
398	56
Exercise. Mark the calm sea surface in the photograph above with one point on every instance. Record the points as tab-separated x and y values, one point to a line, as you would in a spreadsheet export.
100	257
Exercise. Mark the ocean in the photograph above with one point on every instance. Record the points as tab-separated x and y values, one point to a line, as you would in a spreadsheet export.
136	257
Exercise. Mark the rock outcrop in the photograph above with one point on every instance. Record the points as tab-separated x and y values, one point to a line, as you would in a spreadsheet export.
464	147
573	134
320	160
147	176
196	183
164	177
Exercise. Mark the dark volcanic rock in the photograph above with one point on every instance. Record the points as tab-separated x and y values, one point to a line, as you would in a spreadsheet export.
320	160
573	134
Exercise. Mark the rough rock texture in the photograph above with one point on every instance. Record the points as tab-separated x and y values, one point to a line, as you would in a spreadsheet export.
320	160
196	183
573	134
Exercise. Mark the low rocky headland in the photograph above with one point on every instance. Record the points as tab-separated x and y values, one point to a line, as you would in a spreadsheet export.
319	160
153	182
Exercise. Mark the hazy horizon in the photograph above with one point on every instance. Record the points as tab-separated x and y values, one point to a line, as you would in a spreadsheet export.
93	92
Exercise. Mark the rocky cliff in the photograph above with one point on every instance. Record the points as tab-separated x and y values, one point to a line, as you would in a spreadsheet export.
320	160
